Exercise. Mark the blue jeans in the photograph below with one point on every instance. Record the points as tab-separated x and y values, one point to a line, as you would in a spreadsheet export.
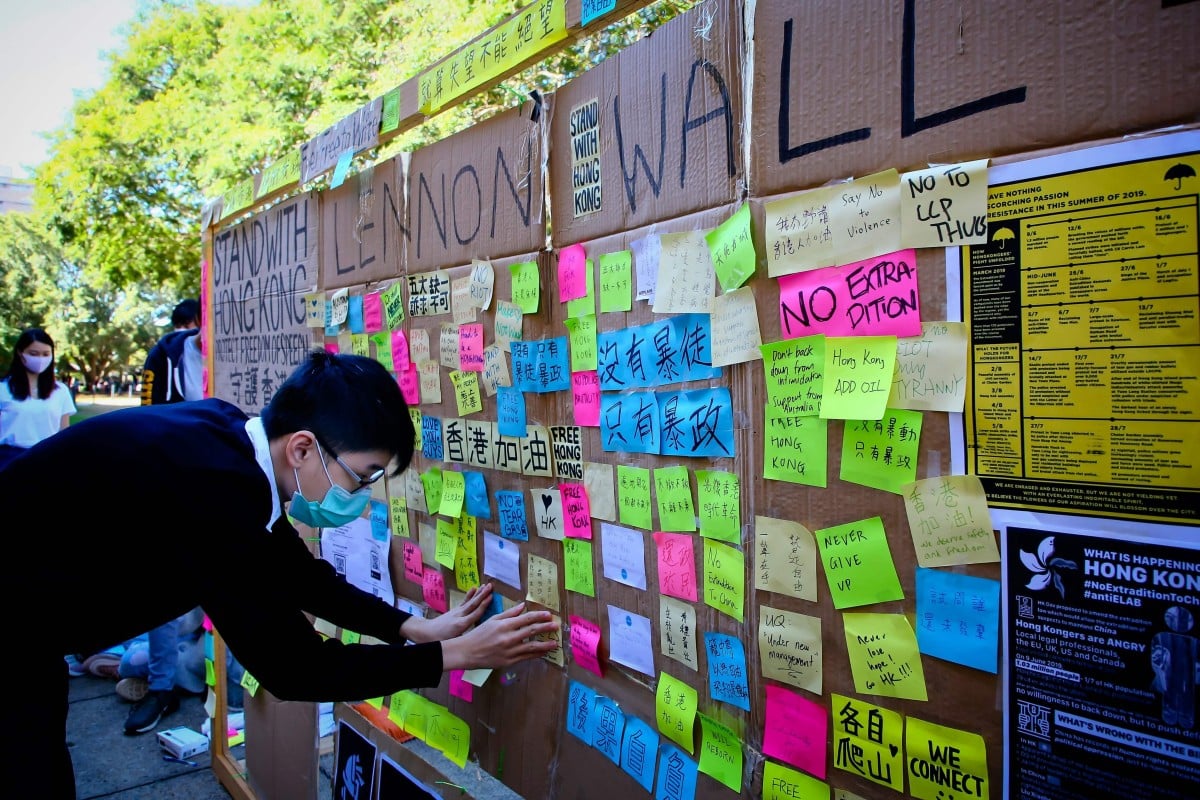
173	655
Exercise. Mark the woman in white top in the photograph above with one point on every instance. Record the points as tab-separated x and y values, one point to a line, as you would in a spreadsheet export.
33	405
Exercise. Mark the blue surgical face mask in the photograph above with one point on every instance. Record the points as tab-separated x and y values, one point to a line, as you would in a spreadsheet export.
338	507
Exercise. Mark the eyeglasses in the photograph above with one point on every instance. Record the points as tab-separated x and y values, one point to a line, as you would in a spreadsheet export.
359	479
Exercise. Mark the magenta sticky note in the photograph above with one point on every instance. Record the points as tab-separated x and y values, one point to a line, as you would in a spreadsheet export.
413	567
879	295
577	510
585	390
572	273
470	347
400	359
676	565
796	730
332	347
460	688
410	385
585	644
372	312
434	590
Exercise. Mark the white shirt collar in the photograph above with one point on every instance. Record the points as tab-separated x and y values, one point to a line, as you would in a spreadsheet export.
262	454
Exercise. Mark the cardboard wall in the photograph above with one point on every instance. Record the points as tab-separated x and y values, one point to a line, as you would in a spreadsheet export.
364	224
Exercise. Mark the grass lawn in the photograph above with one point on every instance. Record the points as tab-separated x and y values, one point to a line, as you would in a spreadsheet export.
91	405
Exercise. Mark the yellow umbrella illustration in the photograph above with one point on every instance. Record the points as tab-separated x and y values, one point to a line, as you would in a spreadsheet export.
1002	235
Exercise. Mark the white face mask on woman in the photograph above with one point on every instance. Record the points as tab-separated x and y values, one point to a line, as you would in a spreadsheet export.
36	364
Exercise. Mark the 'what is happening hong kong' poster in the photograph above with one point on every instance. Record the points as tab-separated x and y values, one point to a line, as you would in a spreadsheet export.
1103	661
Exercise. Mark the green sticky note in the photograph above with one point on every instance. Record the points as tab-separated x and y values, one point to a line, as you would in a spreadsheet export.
858	563
350	637
616	281
210	672
526	286
633	497
375	703
391	111
675	710
466	554
249	683
732	249
673	489
398	707
882	453
794	370
392	299
343	166
720	753
447	542
431	482
795	449
383	349
577	563
398	513
582	306
781	783
719	498
724	578
454	491
417	714
583	342
450	735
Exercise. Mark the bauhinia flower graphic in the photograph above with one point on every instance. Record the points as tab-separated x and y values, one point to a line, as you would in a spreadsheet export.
1045	567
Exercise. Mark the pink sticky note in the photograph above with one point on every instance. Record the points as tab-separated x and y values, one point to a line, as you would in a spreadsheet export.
873	297
585	389
796	730
372	312
577	511
413	567
676	565
207	624
572	273
410	385
400	360
460	688
585	644
470	347
332	347
434	590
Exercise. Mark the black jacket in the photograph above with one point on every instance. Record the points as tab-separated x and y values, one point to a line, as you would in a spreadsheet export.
162	376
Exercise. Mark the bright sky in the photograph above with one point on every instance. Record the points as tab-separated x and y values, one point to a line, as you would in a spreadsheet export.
51	50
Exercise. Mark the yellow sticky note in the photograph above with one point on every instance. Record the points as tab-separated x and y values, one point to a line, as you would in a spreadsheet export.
454	491
931	369
790	648
447	542
393	305
858	376
466	391
583	306
398	515
582	330
718	495
417	712
249	683
785	558
732	249
450	734
543	582
398	706
375	703
526	286
673	489
724	579
944	762
944	206
675	710
858	563
314	310
868	741
720	753
884	658
616	281
466	553
782	783
415	415
949	521
736	337
882	453
360	345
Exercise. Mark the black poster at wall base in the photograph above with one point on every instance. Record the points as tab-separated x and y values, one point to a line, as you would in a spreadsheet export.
1103	657
354	765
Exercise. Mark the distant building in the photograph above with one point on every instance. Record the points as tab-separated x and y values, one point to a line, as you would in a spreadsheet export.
16	194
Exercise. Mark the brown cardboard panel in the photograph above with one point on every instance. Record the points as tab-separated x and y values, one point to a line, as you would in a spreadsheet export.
281	747
669	120
849	88
262	268
479	193
364	227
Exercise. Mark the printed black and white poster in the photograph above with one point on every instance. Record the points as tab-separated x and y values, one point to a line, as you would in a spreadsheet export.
397	783
1102	664
354	765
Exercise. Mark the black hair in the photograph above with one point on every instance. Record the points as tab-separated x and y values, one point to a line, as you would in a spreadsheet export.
186	313
18	382
350	402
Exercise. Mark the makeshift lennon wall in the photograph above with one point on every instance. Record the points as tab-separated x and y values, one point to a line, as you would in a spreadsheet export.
708	635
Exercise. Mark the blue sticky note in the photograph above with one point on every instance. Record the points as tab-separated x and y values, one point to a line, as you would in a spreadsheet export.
958	618
379	520
639	746
691	340
208	647
594	9
354	315
580	700
431	438
674	350
477	501
343	166
676	774
510	507
541	365
510	411
608	725
494	607
727	670
697	423
629	422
